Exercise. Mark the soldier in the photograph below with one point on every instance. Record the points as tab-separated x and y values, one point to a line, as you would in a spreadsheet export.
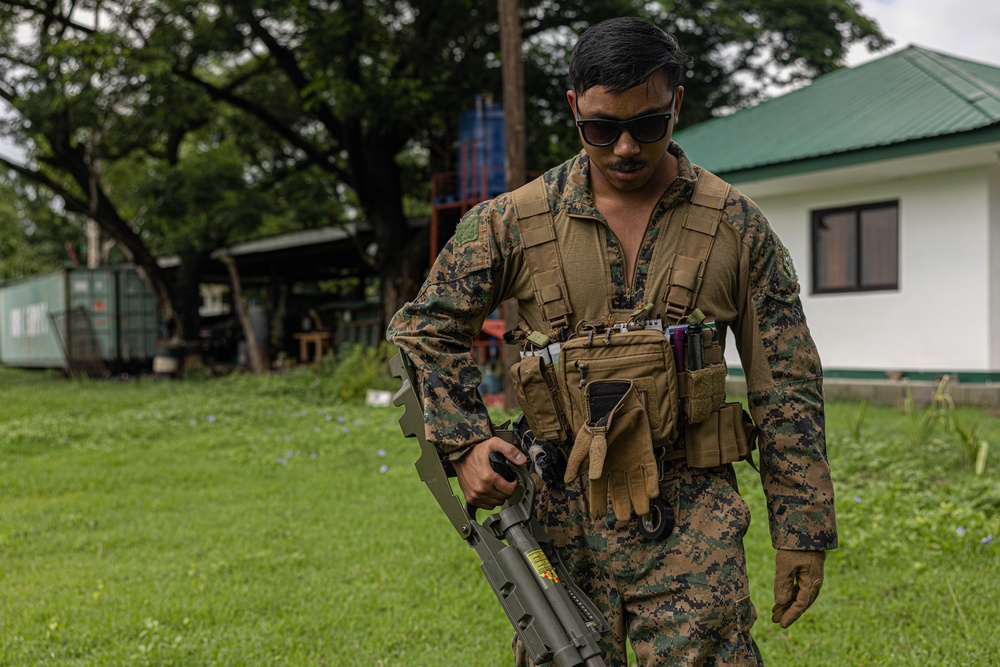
631	225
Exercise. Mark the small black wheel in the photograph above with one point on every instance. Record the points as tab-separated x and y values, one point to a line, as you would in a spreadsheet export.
658	523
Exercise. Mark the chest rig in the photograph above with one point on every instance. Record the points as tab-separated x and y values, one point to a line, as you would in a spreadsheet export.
567	387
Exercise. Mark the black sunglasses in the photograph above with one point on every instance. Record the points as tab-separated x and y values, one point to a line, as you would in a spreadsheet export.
647	129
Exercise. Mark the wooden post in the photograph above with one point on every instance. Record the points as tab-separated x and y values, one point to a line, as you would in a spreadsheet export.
513	92
93	244
514	156
253	351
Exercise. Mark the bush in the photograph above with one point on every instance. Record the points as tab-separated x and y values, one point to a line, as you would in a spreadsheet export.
358	369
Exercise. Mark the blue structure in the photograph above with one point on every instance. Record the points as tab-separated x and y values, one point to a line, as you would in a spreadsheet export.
481	152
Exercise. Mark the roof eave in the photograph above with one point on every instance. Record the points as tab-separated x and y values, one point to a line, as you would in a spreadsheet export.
982	135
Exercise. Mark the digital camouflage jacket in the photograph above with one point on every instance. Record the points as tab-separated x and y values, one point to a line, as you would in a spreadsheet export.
750	289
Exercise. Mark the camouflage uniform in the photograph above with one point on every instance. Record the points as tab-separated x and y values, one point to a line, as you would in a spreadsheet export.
684	600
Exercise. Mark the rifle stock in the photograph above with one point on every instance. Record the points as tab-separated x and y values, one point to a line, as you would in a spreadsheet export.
553	617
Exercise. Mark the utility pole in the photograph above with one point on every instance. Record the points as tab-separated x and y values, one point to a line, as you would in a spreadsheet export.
514	156
513	91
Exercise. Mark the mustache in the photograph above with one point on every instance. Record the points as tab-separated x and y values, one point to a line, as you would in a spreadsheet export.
626	164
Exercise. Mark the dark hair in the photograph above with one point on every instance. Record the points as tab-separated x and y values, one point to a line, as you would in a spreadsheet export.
622	53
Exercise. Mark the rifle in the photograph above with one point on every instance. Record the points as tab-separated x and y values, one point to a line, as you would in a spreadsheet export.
553	617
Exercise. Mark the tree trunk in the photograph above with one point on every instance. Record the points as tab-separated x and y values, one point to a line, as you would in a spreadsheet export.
70	157
253	350
138	253
186	293
400	254
403	274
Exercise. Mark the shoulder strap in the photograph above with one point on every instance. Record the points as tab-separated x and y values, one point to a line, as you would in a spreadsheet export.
541	252
687	267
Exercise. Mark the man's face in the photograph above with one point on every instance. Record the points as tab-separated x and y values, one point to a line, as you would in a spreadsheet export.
628	164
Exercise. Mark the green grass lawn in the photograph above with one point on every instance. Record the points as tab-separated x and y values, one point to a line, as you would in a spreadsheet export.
265	521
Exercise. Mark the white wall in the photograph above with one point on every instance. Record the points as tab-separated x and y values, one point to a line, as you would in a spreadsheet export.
944	316
994	279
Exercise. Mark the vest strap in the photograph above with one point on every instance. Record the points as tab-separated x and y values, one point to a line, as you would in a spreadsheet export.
686	269
541	252
698	229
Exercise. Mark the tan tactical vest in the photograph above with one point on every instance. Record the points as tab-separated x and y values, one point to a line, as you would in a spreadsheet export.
554	398
544	245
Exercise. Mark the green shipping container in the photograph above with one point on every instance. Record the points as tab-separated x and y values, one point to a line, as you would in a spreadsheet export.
83	318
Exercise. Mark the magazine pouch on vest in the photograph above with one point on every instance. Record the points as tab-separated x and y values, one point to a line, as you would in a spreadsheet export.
705	391
535	387
644	358
540	399
728	435
703	384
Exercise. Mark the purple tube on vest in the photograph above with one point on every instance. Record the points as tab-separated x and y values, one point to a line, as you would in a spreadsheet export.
678	341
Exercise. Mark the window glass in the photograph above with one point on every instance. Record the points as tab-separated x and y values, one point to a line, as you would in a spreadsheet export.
856	248
878	242
836	244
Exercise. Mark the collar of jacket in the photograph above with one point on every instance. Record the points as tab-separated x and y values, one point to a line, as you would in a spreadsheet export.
577	199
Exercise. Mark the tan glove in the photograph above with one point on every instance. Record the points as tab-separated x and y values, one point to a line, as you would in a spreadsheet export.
620	448
798	576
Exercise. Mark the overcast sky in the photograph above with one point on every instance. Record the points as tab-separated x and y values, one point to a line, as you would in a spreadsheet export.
965	28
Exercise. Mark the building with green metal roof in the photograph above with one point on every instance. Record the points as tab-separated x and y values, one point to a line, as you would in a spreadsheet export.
883	181
910	102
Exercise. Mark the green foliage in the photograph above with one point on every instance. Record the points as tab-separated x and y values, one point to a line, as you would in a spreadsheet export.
742	48
32	239
294	116
858	421
924	421
741	51
198	203
344	378
974	449
907	584
359	369
223	522
258	520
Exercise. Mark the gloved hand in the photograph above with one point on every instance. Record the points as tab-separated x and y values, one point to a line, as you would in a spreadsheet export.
620	448
798	576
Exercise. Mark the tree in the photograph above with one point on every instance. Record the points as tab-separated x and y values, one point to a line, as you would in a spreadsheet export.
339	96
75	92
742	51
33	238
121	139
348	87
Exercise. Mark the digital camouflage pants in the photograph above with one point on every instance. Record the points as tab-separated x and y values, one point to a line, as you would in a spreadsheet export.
681	601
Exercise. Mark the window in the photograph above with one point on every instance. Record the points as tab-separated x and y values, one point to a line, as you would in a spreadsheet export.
856	248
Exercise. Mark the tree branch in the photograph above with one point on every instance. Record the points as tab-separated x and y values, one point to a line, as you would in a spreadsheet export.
287	62
312	152
50	15
73	203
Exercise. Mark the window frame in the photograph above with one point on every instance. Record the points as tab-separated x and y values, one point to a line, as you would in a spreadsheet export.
817	215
